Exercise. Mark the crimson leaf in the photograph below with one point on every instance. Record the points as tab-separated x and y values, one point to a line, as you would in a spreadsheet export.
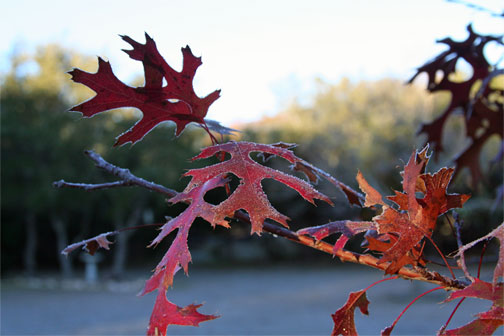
175	102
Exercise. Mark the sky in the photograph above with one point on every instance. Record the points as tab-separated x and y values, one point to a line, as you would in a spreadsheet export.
261	54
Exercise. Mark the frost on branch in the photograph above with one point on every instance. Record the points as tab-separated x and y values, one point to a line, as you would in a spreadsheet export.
175	102
499	234
92	244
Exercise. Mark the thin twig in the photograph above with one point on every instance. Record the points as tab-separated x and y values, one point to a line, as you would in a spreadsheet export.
91	187
461	261
128	179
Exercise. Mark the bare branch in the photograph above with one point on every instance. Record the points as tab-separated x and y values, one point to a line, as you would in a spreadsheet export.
128	179
90	187
416	273
461	261
125	176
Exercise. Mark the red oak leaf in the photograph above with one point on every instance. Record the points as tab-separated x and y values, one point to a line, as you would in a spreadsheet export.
92	244
178	254
486	322
249	194
166	313
482	117
483	123
343	318
385	242
313	174
175	102
471	50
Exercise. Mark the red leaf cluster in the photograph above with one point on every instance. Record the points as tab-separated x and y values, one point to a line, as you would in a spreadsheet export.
175	102
486	323
248	196
483	113
401	229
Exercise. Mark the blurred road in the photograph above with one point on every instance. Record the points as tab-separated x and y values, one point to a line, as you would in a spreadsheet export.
270	301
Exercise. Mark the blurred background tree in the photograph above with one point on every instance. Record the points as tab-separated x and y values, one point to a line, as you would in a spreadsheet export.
372	126
42	143
369	125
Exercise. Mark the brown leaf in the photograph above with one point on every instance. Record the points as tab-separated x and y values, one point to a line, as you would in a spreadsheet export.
92	244
416	217
373	197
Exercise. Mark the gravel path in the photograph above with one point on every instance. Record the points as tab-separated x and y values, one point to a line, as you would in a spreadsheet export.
273	301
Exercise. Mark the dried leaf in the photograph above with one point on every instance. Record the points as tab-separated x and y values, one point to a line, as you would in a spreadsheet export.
92	244
372	195
400	231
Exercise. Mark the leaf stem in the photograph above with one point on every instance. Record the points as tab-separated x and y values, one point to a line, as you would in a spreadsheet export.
389	329
380	281
442	256
451	315
139	227
485	244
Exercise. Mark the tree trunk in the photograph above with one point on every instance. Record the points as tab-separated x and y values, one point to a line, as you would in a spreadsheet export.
30	248
65	262
122	240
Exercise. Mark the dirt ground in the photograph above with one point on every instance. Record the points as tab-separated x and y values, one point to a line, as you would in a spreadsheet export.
270	301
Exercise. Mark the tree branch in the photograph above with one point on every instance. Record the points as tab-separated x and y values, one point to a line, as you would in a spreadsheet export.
128	179
90	187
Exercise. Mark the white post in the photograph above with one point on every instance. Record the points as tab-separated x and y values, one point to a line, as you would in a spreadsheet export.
91	270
